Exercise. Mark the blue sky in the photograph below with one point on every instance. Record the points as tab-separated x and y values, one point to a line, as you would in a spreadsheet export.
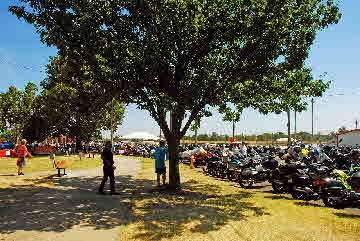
336	51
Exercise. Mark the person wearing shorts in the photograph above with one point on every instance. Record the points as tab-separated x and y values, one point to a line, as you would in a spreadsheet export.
160	162
22	152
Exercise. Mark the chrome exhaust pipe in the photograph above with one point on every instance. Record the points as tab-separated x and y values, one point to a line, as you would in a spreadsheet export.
304	190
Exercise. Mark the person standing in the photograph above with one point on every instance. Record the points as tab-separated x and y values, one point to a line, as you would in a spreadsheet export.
108	168
22	152
160	166
243	149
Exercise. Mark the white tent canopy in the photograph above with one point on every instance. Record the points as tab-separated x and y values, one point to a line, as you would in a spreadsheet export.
140	136
285	139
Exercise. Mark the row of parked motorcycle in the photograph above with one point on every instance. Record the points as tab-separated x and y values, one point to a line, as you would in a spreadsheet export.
138	150
326	173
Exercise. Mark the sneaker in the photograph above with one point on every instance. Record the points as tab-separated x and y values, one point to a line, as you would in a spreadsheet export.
22	173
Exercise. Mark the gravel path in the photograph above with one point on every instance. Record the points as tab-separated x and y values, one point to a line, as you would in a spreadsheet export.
71	210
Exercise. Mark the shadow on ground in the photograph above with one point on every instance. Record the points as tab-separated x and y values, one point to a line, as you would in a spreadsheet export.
347	215
73	202
279	196
309	204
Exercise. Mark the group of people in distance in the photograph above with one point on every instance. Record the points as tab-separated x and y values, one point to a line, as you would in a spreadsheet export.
107	156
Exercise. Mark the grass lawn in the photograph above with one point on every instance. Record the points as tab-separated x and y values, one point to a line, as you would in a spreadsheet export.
212	209
43	163
205	209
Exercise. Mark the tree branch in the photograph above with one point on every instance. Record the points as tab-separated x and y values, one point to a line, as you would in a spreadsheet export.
192	117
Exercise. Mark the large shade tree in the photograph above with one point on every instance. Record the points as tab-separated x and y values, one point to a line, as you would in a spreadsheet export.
185	56
16	108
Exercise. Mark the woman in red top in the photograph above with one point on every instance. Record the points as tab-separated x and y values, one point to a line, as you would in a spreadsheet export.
22	152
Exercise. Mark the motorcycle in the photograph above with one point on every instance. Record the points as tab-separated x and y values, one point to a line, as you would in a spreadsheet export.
211	165
251	171
310	185
232	166
283	176
343	192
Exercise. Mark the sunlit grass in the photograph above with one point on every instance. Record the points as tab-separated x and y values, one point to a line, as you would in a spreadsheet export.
43	163
205	209
212	209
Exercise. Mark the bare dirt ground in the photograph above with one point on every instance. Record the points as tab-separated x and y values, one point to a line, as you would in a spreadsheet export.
69	209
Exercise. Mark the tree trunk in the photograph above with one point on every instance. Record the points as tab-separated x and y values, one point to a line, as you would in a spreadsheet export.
173	141
17	131
174	173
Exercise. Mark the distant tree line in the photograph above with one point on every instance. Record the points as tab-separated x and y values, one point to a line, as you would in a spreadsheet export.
55	110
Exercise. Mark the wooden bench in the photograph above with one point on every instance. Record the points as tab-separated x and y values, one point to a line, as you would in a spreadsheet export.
61	164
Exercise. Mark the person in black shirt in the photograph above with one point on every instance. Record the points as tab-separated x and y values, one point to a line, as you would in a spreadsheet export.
108	168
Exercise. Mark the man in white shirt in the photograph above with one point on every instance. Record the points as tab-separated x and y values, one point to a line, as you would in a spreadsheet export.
243	149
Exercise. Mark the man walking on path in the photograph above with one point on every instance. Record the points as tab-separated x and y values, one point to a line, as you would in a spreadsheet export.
108	168
160	166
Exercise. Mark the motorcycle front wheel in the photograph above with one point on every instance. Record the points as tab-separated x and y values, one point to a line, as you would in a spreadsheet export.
278	186
205	169
231	176
222	173
331	202
296	194
245	183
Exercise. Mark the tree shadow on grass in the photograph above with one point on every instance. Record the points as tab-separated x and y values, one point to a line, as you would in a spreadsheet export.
69	203
279	196
72	202
198	207
347	215
256	187
269	191
309	204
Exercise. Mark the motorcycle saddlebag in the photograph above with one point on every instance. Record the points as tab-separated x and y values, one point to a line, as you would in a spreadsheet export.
354	180
288	169
232	165
270	164
248	172
334	186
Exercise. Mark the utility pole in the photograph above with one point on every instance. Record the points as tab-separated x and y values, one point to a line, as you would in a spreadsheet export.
312	117
295	125
111	122
233	130
288	125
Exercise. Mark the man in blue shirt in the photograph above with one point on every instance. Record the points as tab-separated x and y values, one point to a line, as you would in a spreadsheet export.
160	165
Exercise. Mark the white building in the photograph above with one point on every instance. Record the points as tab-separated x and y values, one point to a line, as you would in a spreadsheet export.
348	138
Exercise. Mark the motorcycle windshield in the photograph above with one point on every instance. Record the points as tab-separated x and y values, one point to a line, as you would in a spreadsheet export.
322	155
